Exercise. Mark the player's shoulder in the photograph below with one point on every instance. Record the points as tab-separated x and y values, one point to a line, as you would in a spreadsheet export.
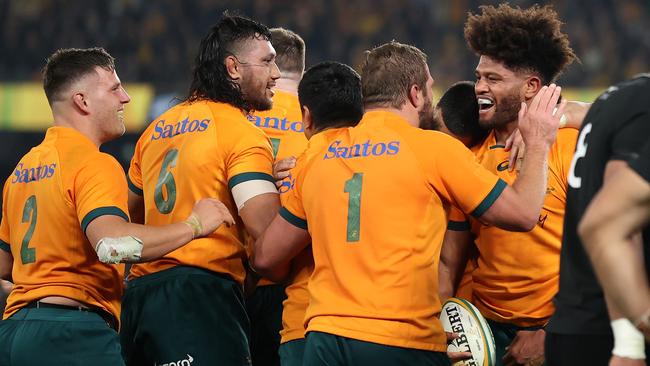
433	140
632	93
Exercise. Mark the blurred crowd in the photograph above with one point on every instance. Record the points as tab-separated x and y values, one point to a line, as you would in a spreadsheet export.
155	41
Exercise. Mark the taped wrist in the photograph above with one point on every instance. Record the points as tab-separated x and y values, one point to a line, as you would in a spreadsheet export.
116	250
628	341
195	224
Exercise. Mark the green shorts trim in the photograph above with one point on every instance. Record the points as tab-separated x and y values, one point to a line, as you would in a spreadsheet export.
58	337
327	349
184	314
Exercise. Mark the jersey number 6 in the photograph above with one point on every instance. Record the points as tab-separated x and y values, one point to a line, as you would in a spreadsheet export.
166	180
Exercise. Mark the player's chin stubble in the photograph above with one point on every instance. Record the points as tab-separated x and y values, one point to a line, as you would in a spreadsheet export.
506	111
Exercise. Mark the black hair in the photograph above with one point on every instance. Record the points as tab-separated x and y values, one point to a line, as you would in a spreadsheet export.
332	92
210	78
523	39
459	109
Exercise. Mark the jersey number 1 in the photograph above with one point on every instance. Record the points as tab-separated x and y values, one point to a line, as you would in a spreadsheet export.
353	189
27	254
166	180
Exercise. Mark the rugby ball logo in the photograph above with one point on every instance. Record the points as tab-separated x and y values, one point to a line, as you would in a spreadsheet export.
474	334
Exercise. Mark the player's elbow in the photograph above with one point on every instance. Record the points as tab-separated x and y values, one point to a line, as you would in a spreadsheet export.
518	223
5	273
267	268
526	223
588	230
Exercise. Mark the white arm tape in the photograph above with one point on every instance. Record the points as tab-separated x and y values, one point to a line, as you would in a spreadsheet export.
244	191
628	341
116	250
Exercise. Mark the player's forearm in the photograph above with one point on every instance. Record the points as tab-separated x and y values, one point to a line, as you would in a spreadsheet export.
530	185
453	260
618	263
158	241
162	240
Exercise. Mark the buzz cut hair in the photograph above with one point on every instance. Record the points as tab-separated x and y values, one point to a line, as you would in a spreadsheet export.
290	50
68	65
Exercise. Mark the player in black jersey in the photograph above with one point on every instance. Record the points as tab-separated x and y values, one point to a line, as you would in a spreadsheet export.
609	230
614	130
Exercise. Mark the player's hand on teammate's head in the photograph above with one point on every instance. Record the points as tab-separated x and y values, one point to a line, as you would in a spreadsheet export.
207	215
540	121
281	169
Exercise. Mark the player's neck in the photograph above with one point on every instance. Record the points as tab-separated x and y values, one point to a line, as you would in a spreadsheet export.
502	133
288	84
409	114
80	126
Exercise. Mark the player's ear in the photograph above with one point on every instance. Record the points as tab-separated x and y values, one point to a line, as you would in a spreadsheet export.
415	96
80	102
531	86
307	122
232	67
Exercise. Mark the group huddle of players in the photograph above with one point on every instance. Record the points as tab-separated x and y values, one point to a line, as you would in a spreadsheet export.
321	217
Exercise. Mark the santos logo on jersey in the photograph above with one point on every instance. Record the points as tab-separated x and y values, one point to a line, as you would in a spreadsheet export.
26	175
368	148
276	123
164	130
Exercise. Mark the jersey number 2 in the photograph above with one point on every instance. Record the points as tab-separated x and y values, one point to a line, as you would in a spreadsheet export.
27	254
353	189
166	180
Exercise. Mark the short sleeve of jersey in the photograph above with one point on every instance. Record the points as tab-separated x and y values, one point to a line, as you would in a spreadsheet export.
641	165
458	221
250	159
292	208
100	188
633	134
4	225
460	179
134	178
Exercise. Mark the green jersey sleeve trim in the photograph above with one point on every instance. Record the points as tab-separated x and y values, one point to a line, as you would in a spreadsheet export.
5	246
293	219
101	211
490	198
244	177
458	225
133	188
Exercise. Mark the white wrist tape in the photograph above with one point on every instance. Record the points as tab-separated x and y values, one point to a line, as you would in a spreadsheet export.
628	341
116	250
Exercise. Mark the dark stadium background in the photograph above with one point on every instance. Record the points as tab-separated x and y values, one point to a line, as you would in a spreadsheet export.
154	43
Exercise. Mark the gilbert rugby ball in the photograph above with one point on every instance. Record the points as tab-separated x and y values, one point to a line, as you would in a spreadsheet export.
460	316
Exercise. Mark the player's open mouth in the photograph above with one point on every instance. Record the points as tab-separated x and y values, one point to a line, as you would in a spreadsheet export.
485	104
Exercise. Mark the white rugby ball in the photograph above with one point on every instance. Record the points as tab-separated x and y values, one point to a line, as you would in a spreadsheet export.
475	336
